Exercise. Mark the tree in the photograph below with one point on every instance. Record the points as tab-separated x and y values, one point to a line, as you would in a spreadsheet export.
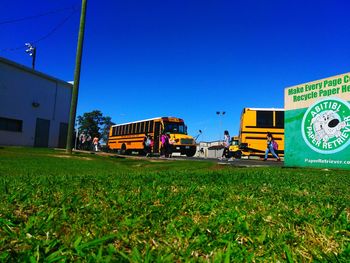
94	124
107	123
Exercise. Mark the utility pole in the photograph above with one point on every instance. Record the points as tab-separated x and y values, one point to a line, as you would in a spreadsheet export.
74	101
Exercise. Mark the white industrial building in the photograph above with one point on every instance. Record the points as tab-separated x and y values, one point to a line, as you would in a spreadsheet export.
34	107
212	149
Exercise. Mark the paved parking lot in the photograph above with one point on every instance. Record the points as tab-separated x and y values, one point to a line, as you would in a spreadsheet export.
235	162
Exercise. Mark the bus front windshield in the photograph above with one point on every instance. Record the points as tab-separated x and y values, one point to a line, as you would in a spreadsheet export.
175	127
234	142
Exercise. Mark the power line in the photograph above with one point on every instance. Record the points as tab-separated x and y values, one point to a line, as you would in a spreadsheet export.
55	28
73	8
46	35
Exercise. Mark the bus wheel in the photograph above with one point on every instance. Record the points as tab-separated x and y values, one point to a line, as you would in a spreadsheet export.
191	152
238	155
123	149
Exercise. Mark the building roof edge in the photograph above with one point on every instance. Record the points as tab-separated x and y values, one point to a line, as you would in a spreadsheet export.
32	71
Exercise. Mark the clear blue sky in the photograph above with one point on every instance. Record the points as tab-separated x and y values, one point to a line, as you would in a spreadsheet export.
183	58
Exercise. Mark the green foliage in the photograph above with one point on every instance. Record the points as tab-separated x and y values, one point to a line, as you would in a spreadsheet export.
89	208
95	124
107	123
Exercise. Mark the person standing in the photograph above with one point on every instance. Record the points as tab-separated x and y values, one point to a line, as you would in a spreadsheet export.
151	145
226	145
270	147
164	145
147	145
169	147
82	141
95	143
88	143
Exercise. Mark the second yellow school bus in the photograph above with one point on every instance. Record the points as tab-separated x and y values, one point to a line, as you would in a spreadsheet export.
128	137
254	126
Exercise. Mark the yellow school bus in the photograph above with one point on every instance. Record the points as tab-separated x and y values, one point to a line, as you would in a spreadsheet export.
255	124
129	137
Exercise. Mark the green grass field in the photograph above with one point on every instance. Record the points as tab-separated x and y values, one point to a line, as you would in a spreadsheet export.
88	208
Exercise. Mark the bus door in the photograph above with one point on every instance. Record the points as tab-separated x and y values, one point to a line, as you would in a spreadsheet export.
156	138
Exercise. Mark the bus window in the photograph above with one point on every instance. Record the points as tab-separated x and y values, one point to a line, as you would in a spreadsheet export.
139	127
143	127
114	131
174	127
264	119
279	121
147	126
234	141
151	126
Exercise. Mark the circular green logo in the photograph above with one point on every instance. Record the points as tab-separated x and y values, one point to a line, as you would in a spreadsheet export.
326	126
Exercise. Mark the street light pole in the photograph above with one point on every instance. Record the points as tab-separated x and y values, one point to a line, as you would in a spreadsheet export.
73	107
34	57
220	114
32	52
